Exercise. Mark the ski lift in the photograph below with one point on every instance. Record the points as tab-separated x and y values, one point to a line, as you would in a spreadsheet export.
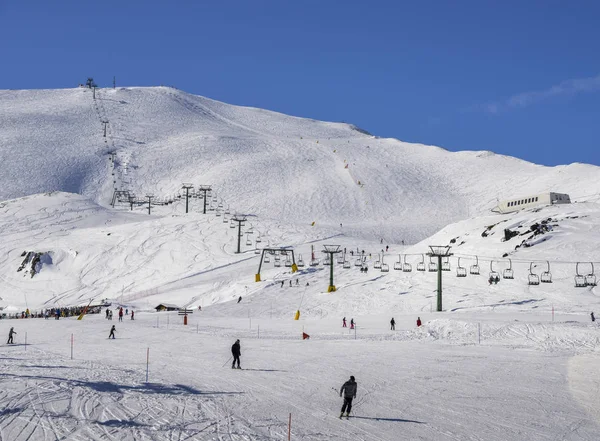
358	262
288	262
398	265
432	267
508	272
227	210
277	262
327	261
314	262
267	259
532	279
218	212
475	268
347	264
580	281
277	258
258	239
225	220
256	251
421	264
590	279
406	267
377	263
300	260
385	268
461	271
494	276
232	224
248	241
547	275
341	258
446	264
215	199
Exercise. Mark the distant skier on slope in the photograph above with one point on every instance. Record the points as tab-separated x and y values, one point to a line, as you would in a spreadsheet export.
10	336
112	332
349	391
418	321
351	323
393	324
132	313
593	318
236	352
344	322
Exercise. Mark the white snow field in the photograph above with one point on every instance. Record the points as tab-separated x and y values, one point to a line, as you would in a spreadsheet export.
505	361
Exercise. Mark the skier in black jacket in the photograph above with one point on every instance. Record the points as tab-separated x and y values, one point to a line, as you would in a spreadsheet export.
10	336
112	332
236	351
349	391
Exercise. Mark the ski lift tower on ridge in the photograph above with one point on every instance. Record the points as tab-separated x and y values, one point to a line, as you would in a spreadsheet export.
439	252
331	250
240	219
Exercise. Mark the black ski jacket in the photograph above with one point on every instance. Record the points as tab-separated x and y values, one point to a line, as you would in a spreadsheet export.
349	389
235	350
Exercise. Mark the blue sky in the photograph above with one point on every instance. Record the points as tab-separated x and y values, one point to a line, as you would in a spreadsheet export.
520	78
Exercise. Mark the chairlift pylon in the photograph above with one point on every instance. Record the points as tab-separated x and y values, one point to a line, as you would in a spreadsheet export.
532	278
508	272
547	275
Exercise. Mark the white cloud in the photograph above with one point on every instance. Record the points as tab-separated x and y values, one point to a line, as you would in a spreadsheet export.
567	87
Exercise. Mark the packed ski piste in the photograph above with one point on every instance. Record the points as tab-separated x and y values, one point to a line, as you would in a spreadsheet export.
379	289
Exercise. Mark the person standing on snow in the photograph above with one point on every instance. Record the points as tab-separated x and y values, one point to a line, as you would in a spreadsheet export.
393	323
132	314
593	318
10	336
112	332
121	314
349	391
344	322
351	323
236	352
418	321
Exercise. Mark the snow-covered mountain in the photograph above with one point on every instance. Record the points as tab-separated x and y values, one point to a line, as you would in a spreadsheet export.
292	170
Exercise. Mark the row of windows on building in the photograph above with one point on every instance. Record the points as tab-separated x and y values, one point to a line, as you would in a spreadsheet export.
523	202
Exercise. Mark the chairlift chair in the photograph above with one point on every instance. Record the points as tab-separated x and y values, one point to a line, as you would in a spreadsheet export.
248	242
546	275
377	263
218	212
277	262
227	210
300	260
532	279
580	280
347	264
590	279
277	258
385	268
446	264
432	267
406	267
461	271
232	224
421	264
314	262
256	251
358	262
267	259
398	265
508	272
494	276
258	239
225	219
327	261
288	262
340	258
475	268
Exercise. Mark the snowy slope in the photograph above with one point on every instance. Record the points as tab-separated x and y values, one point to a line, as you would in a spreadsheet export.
274	166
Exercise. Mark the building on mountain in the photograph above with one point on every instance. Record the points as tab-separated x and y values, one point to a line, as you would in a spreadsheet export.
167	307
516	204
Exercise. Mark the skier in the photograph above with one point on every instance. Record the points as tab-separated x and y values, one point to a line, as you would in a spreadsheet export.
418	321
593	318
282	283
112	332
393	323
239	299
236	351
121	314
10	336
344	322
349	391
132	314
351	323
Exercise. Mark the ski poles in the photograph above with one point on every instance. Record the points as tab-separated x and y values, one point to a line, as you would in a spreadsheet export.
227	361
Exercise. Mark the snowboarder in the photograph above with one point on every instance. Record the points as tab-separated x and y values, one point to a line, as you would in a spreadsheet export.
344	322
351	323
10	336
121	314
418	321
393	323
236	352
349	391
132	313
112	332
593	318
